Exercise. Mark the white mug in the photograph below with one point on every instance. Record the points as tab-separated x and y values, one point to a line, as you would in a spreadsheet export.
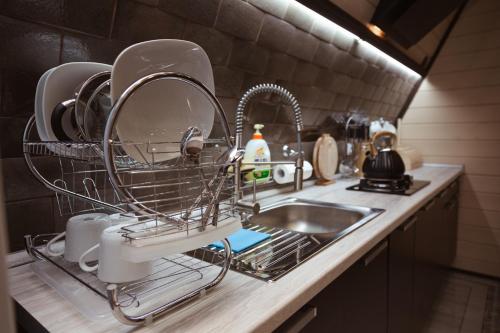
111	267
122	218
82	232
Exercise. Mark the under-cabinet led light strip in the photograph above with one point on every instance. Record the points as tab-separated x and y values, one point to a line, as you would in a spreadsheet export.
349	34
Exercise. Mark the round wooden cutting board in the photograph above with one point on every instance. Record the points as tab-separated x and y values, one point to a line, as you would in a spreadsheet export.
325	157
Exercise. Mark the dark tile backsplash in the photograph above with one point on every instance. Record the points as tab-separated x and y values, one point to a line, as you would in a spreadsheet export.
239	19
33	216
198	11
136	22
248	42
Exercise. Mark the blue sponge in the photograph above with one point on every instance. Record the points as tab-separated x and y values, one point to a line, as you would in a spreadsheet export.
243	239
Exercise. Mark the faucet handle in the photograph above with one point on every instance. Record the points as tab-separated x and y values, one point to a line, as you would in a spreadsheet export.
252	208
289	151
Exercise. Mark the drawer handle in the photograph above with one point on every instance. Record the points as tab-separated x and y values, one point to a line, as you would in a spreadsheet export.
299	320
445	192
430	205
375	253
408	224
452	204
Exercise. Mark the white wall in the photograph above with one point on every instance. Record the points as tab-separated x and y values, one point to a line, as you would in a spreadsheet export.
455	118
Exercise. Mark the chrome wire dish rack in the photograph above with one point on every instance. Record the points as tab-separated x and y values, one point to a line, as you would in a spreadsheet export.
182	203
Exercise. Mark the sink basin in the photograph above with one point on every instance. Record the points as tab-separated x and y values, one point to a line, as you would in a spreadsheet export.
311	217
299	229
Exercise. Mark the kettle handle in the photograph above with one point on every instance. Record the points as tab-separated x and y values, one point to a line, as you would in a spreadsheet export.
373	150
382	133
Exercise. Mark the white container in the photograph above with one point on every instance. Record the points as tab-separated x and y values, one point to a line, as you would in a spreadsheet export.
257	150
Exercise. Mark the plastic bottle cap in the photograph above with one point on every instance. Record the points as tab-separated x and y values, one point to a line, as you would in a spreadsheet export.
257	134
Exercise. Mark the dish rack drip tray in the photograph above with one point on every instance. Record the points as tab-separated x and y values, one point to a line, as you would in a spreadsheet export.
173	276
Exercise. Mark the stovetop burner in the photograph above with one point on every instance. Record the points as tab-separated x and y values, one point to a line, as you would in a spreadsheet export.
394	185
403	186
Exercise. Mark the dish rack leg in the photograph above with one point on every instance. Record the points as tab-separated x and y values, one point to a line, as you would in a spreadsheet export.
28	245
112	291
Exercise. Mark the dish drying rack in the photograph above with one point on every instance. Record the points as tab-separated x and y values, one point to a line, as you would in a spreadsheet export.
173	199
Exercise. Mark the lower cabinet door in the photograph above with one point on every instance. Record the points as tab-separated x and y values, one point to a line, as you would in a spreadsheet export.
451	217
357	300
401	276
452	220
429	271
425	276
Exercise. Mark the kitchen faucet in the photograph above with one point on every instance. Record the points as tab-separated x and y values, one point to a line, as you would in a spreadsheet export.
290	99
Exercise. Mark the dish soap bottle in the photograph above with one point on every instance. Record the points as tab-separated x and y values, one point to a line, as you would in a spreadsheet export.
257	150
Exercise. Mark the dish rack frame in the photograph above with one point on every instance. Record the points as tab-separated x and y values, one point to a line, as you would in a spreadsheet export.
170	198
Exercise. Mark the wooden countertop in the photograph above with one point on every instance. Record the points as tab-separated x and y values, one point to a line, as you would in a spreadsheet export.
241	303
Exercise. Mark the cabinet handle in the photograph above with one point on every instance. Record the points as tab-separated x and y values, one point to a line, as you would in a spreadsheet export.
299	320
429	205
408	224
445	192
452	204
374	253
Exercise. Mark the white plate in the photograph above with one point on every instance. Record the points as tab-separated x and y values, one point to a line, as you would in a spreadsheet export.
60	86
162	110
40	126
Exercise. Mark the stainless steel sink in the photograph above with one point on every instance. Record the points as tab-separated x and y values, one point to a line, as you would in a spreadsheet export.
299	229
311	217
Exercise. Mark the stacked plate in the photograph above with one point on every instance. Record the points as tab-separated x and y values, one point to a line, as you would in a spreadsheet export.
72	100
54	104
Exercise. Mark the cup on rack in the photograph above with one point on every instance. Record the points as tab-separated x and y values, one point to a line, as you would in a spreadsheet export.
122	218
111	267
82	232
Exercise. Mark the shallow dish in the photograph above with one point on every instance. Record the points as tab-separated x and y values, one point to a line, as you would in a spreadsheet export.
156	116
60	86
40	126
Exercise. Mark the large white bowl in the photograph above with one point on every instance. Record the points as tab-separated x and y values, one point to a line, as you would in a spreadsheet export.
157	114
60	85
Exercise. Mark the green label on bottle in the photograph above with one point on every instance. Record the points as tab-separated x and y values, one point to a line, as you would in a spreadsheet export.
258	174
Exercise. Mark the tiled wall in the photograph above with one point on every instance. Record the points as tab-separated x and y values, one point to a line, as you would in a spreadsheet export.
455	118
248	42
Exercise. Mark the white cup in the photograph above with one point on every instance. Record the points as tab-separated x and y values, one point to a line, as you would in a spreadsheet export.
82	232
122	218
111	267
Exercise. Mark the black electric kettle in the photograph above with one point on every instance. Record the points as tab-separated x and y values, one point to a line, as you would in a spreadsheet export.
382	162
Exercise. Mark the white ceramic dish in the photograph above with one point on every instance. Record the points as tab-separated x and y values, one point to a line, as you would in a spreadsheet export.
40	126
60	85
162	110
